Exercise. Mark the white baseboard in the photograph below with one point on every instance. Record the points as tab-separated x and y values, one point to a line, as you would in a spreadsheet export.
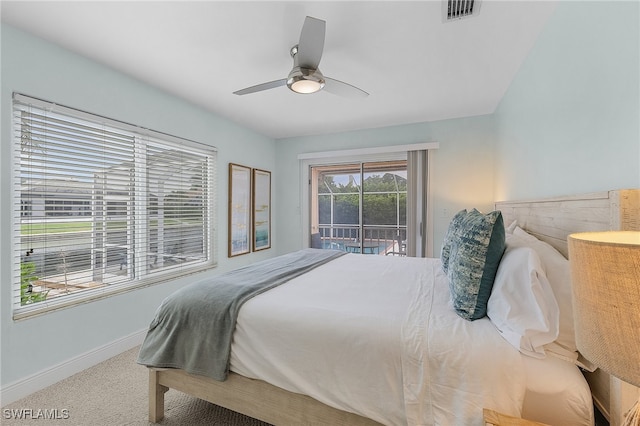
49	376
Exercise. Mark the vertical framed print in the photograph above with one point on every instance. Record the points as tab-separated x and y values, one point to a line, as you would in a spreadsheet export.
239	209
261	209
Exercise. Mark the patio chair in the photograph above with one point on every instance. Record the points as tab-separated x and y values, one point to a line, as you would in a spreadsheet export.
402	248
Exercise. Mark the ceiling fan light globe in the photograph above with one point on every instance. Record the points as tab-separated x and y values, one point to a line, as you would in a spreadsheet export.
305	81
306	86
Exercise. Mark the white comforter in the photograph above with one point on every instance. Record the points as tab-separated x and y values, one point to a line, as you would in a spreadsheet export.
377	336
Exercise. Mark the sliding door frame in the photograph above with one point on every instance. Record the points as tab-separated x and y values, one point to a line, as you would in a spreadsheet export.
364	155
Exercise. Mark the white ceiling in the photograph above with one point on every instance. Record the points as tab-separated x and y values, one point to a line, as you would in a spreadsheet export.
415	67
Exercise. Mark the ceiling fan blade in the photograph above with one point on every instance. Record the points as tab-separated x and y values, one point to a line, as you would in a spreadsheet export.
261	87
341	88
311	43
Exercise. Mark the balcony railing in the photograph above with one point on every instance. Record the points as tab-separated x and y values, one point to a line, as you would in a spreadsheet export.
376	239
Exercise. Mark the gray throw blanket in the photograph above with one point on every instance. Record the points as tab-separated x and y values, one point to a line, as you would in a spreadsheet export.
193	328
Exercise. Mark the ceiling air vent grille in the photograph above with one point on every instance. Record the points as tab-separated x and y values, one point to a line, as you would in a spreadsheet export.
459	9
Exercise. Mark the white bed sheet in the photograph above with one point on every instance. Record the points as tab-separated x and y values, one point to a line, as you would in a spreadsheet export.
377	336
557	393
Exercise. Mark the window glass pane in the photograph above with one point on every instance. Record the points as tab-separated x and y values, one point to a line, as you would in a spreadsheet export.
65	205
176	193
383	209
345	178
384	194
346	209
324	208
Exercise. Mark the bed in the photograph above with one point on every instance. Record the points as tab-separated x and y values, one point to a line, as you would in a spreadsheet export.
369	339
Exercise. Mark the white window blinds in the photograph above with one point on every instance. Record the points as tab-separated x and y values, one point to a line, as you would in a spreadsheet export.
101	206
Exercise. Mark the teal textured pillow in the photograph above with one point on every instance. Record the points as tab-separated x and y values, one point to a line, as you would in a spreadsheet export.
449	237
475	254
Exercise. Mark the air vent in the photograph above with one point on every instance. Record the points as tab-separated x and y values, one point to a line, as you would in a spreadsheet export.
453	10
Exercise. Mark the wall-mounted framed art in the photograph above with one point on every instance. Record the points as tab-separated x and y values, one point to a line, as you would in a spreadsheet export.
261	209
239	210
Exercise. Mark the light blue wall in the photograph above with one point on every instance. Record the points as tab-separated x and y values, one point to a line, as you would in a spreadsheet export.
462	169
570	121
35	67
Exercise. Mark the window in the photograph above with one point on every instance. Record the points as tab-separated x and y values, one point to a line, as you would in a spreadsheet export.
102	206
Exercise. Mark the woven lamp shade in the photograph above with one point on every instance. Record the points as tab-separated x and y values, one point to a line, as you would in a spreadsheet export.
605	275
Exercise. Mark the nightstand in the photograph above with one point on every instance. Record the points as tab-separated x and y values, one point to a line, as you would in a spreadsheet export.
493	418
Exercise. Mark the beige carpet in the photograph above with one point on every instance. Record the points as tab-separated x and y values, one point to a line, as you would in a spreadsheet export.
115	392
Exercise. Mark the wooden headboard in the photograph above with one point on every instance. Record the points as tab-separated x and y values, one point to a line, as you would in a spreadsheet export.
552	220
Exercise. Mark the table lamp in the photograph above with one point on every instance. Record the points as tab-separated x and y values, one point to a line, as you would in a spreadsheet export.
605	279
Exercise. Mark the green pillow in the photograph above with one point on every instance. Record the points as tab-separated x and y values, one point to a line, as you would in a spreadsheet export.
452	231
476	250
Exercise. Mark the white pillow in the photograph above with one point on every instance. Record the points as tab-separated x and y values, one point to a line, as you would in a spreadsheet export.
509	229
556	267
522	305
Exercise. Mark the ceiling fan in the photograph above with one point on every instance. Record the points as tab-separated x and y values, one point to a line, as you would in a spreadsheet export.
305	77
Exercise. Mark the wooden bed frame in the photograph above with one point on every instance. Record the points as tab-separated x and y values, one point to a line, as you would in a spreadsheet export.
551	220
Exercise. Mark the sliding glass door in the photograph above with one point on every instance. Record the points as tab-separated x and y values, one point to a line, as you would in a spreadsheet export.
360	207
